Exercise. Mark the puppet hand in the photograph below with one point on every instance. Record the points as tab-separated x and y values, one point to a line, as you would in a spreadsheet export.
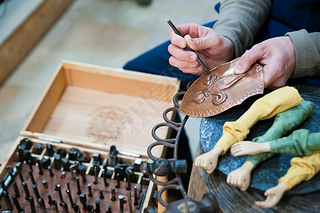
274	195
209	160
249	148
241	177
278	57
212	48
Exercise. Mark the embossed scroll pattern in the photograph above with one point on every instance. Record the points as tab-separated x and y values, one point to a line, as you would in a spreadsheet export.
221	89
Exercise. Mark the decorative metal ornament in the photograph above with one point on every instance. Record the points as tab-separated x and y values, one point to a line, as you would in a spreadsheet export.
221	89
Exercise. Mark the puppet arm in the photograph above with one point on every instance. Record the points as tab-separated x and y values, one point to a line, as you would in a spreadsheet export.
264	108
300	143
302	169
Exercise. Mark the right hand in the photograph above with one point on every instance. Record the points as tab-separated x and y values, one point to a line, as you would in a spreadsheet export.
212	48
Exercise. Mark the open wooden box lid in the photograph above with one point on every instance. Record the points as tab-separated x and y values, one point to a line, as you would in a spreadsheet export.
96	107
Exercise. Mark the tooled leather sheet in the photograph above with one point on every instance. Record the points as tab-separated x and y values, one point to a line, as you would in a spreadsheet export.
221	89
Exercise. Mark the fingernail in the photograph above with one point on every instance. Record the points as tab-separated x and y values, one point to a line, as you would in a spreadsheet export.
199	68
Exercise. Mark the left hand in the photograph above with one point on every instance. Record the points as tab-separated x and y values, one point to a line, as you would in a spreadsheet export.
278	57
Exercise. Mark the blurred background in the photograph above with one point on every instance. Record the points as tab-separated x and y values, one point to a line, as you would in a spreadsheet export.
100	32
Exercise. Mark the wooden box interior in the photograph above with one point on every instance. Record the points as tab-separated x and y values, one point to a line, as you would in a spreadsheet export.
96	107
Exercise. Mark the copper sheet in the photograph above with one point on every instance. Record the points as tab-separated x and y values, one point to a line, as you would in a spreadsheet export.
221	89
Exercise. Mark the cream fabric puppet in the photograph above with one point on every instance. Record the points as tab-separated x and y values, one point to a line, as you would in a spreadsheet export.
283	123
266	107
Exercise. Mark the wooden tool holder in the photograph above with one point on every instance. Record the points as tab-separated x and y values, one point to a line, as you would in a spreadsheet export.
65	177
89	108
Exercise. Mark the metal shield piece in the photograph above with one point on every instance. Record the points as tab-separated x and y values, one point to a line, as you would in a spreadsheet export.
221	89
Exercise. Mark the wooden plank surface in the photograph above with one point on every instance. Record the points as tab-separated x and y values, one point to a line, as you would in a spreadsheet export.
47	103
121	81
97	117
197	186
16	47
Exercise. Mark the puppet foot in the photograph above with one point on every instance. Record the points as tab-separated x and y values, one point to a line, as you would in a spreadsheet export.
249	148
274	195
241	177
209	160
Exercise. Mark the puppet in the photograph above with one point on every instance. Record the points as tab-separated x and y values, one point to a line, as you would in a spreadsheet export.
300	143
284	122
264	108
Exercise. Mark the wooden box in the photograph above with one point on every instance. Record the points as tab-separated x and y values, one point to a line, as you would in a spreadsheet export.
91	108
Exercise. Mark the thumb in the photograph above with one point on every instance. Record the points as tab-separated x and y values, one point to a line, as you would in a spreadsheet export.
248	58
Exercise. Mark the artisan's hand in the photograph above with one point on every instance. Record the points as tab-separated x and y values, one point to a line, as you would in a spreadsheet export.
212	48
278	57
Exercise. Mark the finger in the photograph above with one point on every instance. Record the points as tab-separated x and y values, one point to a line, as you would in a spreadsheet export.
195	71
235	145
187	67
190	29
238	152
203	163
183	65
264	204
176	39
232	180
208	39
256	53
239	181
236	148
269	202
228	179
269	192
182	54
260	204
233	152
196	162
184	29
245	187
194	43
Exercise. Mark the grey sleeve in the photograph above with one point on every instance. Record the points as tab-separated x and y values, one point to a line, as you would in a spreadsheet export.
307	53
240	20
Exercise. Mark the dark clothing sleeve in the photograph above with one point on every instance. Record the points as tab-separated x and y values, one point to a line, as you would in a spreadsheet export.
307	53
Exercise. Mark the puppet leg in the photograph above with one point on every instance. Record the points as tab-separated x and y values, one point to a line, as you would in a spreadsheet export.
283	123
302	169
264	108
300	143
